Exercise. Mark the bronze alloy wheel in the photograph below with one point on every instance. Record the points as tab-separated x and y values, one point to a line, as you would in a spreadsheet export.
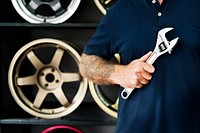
104	5
46	11
44	78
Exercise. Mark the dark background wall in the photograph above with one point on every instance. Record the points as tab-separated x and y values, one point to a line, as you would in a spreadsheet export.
15	32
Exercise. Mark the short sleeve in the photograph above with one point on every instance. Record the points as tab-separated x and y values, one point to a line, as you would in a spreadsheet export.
100	43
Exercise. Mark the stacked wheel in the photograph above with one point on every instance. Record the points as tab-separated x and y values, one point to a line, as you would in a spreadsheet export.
44	78
108	104
46	11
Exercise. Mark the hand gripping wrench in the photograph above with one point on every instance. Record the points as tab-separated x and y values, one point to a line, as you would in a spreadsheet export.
162	46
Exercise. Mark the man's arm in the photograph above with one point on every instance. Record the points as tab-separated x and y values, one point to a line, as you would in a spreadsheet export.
96	69
101	71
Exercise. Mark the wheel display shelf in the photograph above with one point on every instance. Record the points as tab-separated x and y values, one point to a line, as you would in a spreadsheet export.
86	114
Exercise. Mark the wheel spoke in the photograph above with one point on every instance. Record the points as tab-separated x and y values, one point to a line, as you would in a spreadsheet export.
71	77
35	60
57	57
59	94
29	80
41	95
55	5
46	11
33	4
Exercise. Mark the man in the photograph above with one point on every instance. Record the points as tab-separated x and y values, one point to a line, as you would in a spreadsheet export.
166	100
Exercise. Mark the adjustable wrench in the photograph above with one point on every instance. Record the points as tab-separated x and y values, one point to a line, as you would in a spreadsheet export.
162	46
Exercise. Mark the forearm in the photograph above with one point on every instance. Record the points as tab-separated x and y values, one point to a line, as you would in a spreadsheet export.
97	69
134	75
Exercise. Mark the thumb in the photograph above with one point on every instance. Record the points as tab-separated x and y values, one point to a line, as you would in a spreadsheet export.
145	57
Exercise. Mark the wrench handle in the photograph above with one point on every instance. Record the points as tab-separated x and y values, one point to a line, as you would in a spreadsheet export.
127	91
152	58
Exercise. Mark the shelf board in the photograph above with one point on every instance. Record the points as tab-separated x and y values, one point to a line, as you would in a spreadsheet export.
36	121
65	25
88	114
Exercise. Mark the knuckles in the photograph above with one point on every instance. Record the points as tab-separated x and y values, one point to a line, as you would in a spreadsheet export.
139	74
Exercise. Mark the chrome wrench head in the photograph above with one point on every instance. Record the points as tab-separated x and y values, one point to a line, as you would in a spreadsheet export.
162	44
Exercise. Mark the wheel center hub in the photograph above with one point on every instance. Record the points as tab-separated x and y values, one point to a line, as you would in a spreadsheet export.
49	78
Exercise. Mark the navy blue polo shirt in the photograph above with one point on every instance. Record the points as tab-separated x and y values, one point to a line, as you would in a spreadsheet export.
170	103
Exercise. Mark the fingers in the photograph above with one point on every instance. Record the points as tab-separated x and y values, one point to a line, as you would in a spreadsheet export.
137	73
145	57
148	67
141	79
142	71
146	75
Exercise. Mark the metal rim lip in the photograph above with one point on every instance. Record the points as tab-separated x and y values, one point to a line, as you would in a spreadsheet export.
55	128
103	5
24	12
100	7
103	103
15	82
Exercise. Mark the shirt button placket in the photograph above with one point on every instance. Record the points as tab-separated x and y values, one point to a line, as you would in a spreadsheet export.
153	1
157	9
159	14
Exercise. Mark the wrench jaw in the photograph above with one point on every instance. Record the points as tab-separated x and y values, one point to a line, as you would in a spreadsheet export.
163	45
172	44
164	31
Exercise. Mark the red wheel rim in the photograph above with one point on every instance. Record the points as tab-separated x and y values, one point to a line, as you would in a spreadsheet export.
54	128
